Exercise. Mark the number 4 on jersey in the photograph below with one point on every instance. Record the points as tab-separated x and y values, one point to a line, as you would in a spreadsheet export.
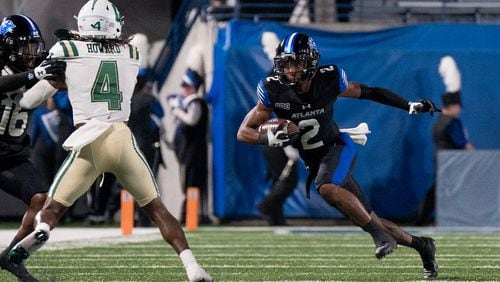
106	86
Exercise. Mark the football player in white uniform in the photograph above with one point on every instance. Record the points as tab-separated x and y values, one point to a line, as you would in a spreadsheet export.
100	77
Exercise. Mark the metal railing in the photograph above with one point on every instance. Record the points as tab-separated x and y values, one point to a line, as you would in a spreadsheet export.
359	11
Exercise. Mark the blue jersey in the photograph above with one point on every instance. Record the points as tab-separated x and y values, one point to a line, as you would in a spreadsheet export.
311	112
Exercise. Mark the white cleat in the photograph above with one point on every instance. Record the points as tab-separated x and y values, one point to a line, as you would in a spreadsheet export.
198	274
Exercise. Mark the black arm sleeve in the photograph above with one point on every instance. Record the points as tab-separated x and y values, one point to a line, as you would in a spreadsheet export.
384	96
16	81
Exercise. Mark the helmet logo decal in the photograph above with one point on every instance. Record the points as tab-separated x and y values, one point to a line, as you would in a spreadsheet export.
312	43
289	43
6	27
96	25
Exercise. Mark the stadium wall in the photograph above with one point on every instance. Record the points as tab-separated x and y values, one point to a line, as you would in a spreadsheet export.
395	168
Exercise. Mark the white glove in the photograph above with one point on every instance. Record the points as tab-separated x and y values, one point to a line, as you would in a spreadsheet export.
415	107
49	69
278	138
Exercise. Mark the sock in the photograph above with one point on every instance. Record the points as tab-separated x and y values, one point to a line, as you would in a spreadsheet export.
375	231
187	258
415	242
33	242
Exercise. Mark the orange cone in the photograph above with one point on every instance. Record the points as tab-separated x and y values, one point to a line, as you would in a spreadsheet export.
192	205
127	212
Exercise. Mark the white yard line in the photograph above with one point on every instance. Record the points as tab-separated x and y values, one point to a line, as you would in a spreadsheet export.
66	237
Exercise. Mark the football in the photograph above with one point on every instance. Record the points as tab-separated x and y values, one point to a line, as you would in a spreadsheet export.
272	124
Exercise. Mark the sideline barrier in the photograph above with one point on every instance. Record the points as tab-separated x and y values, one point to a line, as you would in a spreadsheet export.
468	188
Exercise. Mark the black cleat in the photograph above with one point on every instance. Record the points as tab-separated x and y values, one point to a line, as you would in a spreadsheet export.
382	249
428	254
19	270
272	217
17	255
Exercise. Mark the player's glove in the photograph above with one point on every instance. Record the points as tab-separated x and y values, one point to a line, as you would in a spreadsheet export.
278	137
423	106
49	69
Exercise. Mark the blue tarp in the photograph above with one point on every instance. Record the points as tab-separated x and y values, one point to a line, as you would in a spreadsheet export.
395	168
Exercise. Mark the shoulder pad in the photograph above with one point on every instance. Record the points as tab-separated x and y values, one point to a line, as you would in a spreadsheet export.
133	52
64	49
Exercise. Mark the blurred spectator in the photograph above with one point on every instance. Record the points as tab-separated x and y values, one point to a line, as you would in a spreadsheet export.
219	10
282	166
448	131
190	140
344	9
44	133
264	10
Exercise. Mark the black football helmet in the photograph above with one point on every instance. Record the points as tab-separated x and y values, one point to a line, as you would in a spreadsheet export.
21	43
296	49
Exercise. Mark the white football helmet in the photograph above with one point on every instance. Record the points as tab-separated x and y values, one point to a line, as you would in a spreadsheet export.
100	19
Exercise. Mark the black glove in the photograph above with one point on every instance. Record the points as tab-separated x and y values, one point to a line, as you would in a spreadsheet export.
423	106
50	69
428	106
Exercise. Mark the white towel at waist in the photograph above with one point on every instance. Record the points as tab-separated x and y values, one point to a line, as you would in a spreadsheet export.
85	134
358	133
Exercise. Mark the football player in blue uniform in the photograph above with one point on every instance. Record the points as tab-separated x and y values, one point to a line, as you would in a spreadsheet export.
305	93
21	49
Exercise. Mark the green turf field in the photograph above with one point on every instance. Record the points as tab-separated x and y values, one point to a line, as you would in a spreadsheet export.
230	254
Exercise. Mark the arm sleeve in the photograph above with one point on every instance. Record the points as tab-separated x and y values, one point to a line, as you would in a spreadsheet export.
37	94
343	82
191	116
384	96
16	81
263	95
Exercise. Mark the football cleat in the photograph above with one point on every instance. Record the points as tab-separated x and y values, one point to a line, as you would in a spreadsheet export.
17	255
198	274
272	217
383	248
19	270
428	254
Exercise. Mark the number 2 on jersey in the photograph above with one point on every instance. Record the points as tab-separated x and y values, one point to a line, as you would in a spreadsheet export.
106	86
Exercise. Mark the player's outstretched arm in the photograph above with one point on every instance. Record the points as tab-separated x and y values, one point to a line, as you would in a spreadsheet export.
248	132
387	97
15	81
51	75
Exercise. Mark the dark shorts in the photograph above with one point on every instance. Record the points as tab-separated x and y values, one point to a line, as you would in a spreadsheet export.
21	180
335	165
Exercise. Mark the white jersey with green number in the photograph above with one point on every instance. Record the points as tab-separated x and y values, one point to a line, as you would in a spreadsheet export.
100	81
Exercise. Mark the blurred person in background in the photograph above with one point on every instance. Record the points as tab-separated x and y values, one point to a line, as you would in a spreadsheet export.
21	49
44	139
282	170
190	138
344	9
448	132
305	93
101	74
